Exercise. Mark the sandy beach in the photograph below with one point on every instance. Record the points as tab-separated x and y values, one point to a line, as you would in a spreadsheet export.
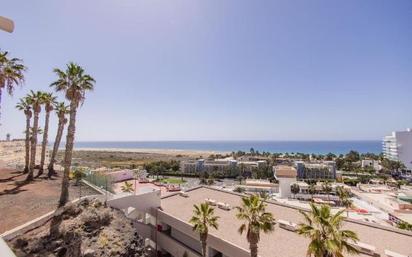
173	152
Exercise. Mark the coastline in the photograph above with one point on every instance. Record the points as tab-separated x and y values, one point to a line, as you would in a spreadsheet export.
173	152
307	147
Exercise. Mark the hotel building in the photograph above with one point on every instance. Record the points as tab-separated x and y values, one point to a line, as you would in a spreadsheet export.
220	165
398	147
315	171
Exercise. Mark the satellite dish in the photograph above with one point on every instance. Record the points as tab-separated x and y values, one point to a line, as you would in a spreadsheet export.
6	24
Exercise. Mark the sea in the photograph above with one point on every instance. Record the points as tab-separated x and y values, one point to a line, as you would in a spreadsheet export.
315	147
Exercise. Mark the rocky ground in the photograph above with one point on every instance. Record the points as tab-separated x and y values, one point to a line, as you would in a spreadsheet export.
83	229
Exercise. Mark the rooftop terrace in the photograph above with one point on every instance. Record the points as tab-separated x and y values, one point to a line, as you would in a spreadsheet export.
281	242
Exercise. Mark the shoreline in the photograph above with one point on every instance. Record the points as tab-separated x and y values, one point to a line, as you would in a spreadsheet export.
151	151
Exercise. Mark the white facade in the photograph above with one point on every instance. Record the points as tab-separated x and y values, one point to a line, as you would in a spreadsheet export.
398	147
284	186
371	163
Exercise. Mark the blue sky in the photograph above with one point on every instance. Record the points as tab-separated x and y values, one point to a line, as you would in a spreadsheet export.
234	69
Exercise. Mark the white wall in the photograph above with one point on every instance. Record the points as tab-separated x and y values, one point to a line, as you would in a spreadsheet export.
404	141
284	186
189	241
145	202
225	247
174	247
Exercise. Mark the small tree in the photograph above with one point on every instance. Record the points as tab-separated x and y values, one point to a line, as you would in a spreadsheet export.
344	198
312	190
78	174
264	195
327	188
294	188
239	190
127	187
405	226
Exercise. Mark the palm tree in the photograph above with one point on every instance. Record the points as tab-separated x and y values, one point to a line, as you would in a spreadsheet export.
11	73
405	225
74	83
312	190
327	188
203	218
344	198
78	174
25	105
256	219
36	100
127	187
324	229
61	110
294	188
49	101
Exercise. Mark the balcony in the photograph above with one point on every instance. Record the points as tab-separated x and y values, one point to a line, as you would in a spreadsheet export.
174	247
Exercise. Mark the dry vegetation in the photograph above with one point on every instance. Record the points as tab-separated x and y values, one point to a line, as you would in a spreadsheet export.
119	159
86	229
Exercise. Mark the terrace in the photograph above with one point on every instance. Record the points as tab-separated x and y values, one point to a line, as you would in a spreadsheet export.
282	242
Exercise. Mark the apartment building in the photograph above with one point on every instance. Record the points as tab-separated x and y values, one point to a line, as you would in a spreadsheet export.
171	234
371	164
398	147
316	171
220	165
164	224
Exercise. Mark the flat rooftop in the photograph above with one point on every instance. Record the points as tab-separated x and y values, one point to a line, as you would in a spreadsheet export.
280	242
283	171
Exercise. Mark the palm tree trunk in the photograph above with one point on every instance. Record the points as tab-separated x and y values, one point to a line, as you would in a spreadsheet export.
64	196
253	249
27	145
33	147
203	239
55	147
1	83
44	143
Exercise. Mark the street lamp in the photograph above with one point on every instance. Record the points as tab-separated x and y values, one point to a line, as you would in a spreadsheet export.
6	24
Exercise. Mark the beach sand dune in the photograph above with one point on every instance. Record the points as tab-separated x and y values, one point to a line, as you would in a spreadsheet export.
173	152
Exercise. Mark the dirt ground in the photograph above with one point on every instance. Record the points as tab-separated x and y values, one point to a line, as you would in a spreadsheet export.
20	202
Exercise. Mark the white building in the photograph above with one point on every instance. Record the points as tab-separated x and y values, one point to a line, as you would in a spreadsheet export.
371	163
286	175
398	147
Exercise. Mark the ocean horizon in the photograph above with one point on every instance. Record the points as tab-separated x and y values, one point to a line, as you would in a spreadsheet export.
316	147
